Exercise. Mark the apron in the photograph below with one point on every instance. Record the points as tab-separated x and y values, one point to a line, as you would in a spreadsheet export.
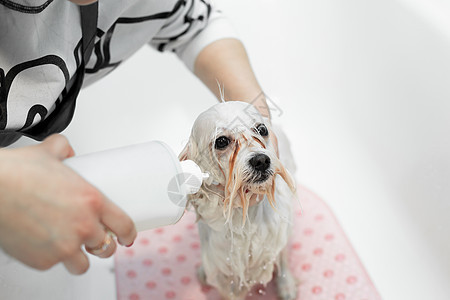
60	118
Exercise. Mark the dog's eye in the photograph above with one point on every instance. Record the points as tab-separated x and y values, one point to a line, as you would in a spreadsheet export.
221	142
262	129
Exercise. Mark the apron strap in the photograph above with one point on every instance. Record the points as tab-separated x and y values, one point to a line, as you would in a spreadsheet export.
89	19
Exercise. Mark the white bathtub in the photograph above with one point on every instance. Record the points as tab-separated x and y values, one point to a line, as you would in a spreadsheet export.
364	87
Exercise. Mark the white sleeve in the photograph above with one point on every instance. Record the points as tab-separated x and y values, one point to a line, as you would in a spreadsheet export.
193	25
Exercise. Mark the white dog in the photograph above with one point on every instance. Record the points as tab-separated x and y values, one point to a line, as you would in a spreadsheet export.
244	210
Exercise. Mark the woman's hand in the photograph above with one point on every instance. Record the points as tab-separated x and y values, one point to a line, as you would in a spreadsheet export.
47	211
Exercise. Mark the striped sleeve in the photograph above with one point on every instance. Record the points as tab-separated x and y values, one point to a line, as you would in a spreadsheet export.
192	26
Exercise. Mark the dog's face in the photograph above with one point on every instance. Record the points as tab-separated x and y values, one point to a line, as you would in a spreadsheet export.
231	141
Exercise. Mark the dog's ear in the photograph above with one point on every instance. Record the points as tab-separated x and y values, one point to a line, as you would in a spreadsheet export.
184	155
190	151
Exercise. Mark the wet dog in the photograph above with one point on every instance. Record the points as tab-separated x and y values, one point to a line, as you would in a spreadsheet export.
244	210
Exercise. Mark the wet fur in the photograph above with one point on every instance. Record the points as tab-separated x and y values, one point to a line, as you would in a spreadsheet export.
242	245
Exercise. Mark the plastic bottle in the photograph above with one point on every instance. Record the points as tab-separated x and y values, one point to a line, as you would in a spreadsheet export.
146	180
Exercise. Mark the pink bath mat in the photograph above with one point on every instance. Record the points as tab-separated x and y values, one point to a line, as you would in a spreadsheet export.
161	264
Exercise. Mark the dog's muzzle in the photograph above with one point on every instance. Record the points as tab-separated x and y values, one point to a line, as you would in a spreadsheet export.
260	165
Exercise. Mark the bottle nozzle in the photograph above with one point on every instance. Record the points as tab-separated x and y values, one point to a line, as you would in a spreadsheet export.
193	176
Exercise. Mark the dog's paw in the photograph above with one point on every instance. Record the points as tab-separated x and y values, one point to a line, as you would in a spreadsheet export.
286	286
201	275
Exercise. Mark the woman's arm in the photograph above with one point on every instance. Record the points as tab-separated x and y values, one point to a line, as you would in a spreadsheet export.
226	62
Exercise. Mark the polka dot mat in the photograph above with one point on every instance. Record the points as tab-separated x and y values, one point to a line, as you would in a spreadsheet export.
162	262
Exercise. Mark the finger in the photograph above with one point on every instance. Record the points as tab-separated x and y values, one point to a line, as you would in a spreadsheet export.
77	264
57	145
119	223
96	236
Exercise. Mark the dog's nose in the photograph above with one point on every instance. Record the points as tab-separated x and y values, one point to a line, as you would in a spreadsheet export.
260	162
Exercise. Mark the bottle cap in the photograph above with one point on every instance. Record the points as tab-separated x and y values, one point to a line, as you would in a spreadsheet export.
193	176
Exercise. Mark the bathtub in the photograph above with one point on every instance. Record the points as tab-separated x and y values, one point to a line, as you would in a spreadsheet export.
363	90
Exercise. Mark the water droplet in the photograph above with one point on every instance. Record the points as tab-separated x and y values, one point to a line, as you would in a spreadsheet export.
264	267
261	292
284	275
232	282
228	259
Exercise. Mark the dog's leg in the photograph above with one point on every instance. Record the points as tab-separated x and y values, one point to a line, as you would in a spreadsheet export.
201	275
231	294
229	288
285	280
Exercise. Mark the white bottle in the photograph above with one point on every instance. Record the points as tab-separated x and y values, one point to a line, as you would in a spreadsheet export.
146	180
